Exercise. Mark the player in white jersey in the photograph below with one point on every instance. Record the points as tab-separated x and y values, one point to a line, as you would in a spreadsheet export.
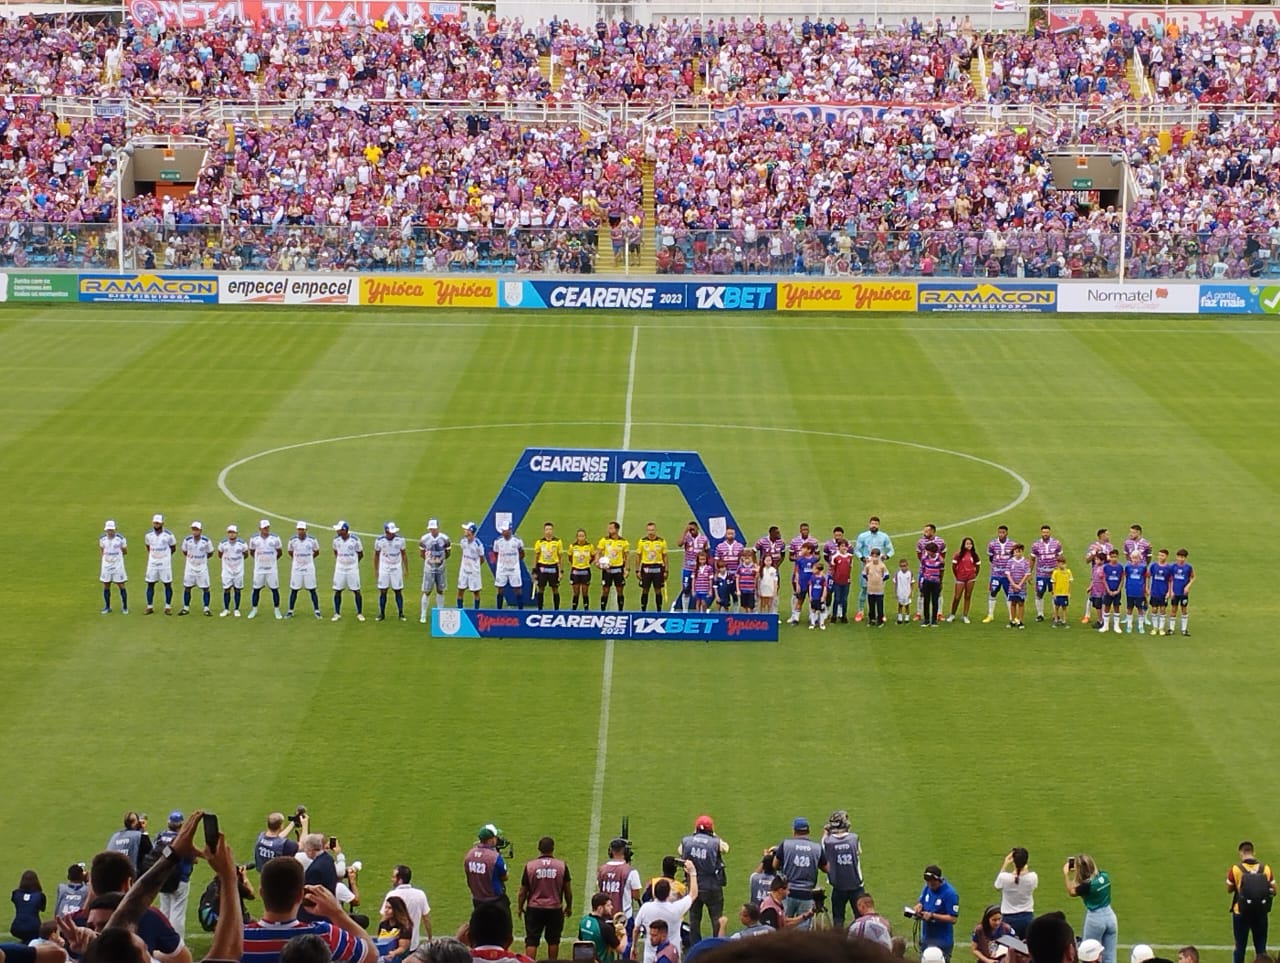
391	562
348	552
112	548
160	545
266	550
507	553
471	550
433	548
232	550
303	549
196	549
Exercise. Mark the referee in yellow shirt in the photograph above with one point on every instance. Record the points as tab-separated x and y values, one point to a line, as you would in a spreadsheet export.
615	550
581	554
651	564
546	565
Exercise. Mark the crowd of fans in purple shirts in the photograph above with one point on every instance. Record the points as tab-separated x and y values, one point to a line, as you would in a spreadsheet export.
366	173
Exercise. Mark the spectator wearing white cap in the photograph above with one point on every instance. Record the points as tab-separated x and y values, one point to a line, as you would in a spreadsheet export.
391	562
433	548
303	550
347	552
1089	951
231	551
266	550
1141	952
196	551
471	550
160	545
112	548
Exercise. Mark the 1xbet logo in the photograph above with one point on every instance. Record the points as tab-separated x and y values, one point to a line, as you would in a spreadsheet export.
665	624
652	470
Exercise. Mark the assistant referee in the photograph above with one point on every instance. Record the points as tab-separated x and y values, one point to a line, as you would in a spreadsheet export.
546	565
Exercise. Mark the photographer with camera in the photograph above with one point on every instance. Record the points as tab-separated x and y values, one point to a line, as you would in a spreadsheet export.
705	850
773	912
274	840
843	850
799	859
486	872
937	910
131	839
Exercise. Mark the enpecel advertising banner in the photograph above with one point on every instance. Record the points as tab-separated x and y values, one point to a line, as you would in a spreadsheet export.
656	626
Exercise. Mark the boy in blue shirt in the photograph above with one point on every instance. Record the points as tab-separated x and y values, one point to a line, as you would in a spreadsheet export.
1181	577
1112	582
1158	573
818	597
1135	592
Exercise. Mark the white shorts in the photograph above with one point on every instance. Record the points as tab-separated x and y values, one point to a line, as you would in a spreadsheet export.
904	599
266	577
302	578
112	571
159	571
434	578
232	577
503	577
469	581
197	576
391	578
346	579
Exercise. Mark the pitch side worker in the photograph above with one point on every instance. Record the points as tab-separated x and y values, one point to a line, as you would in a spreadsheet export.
545	899
651	567
486	871
866	541
1252	887
937	908
546	569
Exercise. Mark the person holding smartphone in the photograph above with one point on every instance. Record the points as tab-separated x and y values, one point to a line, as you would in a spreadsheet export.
324	865
1017	886
1083	879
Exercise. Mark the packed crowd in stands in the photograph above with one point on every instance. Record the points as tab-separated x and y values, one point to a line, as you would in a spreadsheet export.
310	908
368	174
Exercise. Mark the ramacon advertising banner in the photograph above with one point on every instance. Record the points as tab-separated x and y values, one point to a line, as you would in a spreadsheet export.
846	296
986	296
288	289
390	290
149	288
636	626
1131	298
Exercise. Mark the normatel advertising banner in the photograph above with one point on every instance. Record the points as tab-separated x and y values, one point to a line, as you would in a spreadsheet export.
288	289
846	296
306	13
149	288
26	286
1130	298
392	290
657	627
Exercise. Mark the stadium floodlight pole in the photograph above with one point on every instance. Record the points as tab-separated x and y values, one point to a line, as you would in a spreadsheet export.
126	152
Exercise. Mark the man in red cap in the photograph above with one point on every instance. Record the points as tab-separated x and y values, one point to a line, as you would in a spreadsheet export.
706	851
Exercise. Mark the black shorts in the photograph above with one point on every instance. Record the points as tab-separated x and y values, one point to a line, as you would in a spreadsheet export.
1178	600
748	601
1111	600
651	576
614	577
1138	603
546	575
543	921
579	576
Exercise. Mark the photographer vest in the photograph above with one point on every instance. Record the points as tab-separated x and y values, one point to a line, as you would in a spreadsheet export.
703	850
843	870
798	860
127	841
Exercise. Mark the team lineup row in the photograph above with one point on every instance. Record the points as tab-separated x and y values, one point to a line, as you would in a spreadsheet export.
729	576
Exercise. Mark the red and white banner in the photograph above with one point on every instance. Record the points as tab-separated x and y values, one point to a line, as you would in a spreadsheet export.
307	13
1187	18
288	289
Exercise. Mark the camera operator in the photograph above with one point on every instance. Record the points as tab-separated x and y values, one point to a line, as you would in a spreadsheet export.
705	850
937	909
486	872
618	880
799	859
843	850
274	840
131	839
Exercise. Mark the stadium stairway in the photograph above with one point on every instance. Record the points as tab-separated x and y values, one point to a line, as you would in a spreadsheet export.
978	76
699	78
1137	83
648	257
544	68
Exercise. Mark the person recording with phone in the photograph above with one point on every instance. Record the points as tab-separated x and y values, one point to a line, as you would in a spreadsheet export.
937	909
1092	886
1017	886
323	864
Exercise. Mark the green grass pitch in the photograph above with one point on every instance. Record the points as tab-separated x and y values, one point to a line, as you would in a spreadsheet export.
1156	755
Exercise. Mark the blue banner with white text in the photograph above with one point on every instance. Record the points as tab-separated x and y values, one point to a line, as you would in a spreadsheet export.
656	626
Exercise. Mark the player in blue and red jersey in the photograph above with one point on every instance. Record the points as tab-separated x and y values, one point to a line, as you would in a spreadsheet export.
927	534
999	553
1044	552
1100	546
691	543
746	580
